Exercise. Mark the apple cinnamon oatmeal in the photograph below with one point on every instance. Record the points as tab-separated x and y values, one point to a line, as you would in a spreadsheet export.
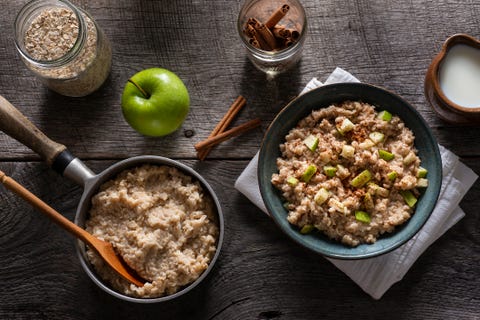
349	172
161	222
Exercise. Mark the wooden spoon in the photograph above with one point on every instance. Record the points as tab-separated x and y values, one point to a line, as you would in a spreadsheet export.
103	248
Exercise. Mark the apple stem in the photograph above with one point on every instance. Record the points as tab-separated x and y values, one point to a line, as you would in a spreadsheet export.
139	88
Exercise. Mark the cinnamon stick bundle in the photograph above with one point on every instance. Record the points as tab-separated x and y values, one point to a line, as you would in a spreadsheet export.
271	36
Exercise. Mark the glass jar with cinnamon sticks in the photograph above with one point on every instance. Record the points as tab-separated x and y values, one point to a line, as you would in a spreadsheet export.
273	32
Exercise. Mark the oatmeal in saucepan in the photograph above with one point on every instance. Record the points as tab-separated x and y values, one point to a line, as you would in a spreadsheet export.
161	222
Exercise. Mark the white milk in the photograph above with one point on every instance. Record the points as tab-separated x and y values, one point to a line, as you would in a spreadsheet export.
460	76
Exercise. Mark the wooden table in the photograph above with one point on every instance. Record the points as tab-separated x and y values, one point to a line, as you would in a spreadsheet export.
260	274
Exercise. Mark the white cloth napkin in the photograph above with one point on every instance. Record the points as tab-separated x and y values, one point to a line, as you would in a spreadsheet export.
376	275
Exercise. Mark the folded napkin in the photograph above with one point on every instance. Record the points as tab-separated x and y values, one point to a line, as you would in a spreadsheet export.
376	275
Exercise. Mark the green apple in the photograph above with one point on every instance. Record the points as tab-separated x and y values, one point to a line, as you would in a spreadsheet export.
155	102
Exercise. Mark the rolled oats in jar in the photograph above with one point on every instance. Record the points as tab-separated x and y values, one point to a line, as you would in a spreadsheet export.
63	46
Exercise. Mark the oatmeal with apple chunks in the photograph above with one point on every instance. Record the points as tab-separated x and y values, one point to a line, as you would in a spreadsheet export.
161	222
350	172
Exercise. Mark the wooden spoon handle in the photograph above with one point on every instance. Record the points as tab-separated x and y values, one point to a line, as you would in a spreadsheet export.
16	125
44	208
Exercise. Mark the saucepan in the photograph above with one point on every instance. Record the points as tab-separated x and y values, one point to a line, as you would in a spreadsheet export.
59	158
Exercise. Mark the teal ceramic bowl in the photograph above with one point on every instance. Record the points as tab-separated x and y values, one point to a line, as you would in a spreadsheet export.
320	98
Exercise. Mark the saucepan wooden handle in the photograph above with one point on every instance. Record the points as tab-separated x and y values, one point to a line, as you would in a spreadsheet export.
17	126
44	208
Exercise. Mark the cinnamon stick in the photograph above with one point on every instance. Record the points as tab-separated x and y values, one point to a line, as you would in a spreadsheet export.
254	42
267	35
250	31
289	42
236	106
295	34
211	141
277	16
252	21
281	32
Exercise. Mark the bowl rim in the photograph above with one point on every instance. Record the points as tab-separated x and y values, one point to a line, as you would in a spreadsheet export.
434	191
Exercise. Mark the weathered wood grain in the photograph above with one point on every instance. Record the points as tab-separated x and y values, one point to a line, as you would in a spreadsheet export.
260	273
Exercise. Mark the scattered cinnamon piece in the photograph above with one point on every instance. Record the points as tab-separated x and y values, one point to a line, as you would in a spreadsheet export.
211	141
236	106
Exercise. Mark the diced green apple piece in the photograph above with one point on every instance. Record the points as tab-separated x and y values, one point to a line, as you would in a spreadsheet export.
384	115
385	155
409	158
361	179
422	172
311	142
422	182
366	144
330	171
321	196
338	206
307	229
292	181
368	201
309	172
377	190
342	172
392	175
348	151
409	198
376	137
362	216
345	126
372	187
382	192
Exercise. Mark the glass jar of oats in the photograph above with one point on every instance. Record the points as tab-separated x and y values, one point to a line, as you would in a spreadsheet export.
63	46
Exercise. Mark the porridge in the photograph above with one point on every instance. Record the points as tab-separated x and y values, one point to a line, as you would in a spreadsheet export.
349	172
161	222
